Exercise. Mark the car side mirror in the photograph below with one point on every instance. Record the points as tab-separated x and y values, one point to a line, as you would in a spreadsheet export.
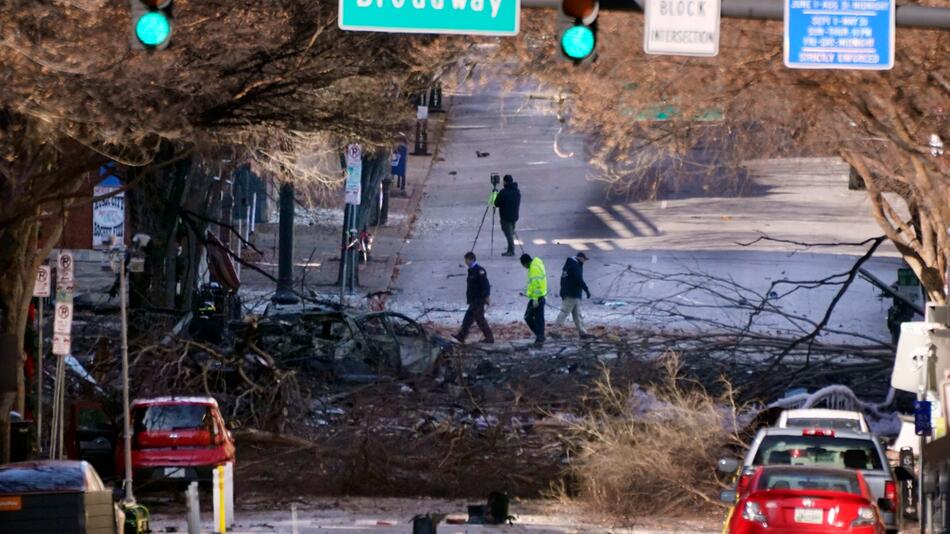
727	496
903	474
727	465
885	505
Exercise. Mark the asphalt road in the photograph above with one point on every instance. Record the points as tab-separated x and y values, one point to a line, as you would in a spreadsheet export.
566	210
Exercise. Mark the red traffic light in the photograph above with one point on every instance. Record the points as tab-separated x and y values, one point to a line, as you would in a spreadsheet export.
583	10
157	4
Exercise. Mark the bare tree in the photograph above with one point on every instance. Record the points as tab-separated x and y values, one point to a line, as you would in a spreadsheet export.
652	117
73	95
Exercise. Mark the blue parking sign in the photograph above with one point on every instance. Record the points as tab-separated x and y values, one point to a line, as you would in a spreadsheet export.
839	34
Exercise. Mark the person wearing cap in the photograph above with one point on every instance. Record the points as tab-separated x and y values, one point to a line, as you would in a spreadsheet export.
508	202
536	291
478	295
572	285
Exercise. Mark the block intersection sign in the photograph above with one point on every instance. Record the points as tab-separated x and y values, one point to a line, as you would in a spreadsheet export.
681	27
839	34
468	17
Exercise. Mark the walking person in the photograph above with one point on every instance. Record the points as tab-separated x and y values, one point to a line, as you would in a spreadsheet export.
536	291
572	285
477	294
399	159
508	202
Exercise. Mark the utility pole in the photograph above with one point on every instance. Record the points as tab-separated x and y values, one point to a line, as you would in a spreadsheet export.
285	255
126	426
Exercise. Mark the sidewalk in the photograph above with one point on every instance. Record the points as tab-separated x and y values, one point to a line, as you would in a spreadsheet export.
316	238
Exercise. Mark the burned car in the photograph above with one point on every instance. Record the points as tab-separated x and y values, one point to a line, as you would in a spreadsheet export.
343	343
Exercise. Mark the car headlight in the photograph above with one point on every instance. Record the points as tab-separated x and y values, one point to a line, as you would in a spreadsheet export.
866	516
752	512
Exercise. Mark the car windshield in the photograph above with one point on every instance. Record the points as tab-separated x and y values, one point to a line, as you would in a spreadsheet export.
825	451
836	424
172	417
804	479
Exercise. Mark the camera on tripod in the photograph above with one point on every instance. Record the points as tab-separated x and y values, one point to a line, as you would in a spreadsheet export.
495	180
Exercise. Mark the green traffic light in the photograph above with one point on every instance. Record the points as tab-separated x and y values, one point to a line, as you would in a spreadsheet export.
577	42
153	28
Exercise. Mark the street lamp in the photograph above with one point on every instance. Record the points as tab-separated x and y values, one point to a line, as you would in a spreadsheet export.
136	264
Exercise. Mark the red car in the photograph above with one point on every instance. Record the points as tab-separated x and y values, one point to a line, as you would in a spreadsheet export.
797	500
177	438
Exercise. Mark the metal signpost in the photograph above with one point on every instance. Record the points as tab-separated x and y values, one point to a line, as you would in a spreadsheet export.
422	128
839	34
468	17
41	290
136	264
62	328
353	191
681	27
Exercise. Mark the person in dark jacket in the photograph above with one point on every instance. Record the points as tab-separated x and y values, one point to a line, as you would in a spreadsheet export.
508	202
478	294
572	285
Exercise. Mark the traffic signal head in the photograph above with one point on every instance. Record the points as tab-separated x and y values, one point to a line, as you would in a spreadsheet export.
577	29
577	42
151	24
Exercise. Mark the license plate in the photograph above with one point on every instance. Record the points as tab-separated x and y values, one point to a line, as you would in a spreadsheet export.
11	504
174	472
810	516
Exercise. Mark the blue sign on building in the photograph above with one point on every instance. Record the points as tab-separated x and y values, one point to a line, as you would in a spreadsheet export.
839	34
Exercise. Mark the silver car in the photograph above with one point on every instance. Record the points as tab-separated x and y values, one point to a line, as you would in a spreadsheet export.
830	448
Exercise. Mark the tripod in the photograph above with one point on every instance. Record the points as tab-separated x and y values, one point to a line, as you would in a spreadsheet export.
494	190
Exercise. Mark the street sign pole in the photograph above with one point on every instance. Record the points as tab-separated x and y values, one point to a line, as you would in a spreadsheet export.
41	290
126	433
343	253
62	333
39	374
353	192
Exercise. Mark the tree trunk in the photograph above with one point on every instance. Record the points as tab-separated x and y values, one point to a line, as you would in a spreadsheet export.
19	259
920	240
155	206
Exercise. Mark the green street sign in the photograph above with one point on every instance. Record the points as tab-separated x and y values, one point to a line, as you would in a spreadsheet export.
468	17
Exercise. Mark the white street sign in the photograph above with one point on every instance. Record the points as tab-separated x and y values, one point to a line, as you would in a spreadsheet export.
354	174
63	318
354	154
61	344
64	268
41	286
422	113
682	27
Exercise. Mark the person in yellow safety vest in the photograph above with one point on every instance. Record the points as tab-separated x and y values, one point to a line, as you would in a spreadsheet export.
536	291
